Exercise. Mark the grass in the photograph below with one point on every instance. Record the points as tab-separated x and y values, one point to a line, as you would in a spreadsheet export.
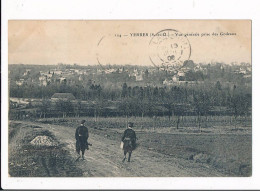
26	160
229	153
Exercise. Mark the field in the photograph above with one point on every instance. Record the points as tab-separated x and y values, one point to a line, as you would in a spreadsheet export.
159	123
221	147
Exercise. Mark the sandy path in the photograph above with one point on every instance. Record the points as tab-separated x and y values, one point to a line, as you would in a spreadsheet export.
104	159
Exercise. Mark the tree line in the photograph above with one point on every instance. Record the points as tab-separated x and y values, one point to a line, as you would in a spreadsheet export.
176	101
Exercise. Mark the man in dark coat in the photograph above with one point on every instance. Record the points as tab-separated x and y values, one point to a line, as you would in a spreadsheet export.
130	133
81	136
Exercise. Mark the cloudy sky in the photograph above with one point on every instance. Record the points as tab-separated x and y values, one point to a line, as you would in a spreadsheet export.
93	42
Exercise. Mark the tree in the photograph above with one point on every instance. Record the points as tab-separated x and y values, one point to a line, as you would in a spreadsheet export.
162	93
125	106
78	108
124	90
129	91
146	74
99	90
218	86
178	111
44	108
155	93
201	104
98	109
64	107
240	104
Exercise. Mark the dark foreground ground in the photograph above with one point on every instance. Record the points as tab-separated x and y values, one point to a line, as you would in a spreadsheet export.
159	154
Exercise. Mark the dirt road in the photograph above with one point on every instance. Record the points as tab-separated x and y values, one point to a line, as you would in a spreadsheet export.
104	159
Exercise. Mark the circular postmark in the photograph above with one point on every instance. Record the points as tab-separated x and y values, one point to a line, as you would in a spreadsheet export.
169	48
112	49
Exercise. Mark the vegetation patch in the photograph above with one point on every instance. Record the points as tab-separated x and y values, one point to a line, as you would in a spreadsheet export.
37	153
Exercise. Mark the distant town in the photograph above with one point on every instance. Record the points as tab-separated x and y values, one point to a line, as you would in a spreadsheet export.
71	74
114	90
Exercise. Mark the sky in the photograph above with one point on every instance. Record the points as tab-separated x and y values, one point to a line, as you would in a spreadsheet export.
87	42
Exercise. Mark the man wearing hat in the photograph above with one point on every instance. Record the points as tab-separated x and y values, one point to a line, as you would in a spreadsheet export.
130	133
81	136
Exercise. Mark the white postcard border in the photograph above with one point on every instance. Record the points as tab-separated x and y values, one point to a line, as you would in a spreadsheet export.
154	9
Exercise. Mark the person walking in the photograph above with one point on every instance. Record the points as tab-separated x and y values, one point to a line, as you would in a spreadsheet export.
130	133
81	136
128	141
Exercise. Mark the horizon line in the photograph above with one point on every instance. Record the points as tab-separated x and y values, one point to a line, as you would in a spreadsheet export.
79	64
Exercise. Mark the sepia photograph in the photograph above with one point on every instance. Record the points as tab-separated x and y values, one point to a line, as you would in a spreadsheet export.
129	98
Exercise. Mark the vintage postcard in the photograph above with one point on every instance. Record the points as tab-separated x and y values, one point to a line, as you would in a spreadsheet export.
176	94
128	99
